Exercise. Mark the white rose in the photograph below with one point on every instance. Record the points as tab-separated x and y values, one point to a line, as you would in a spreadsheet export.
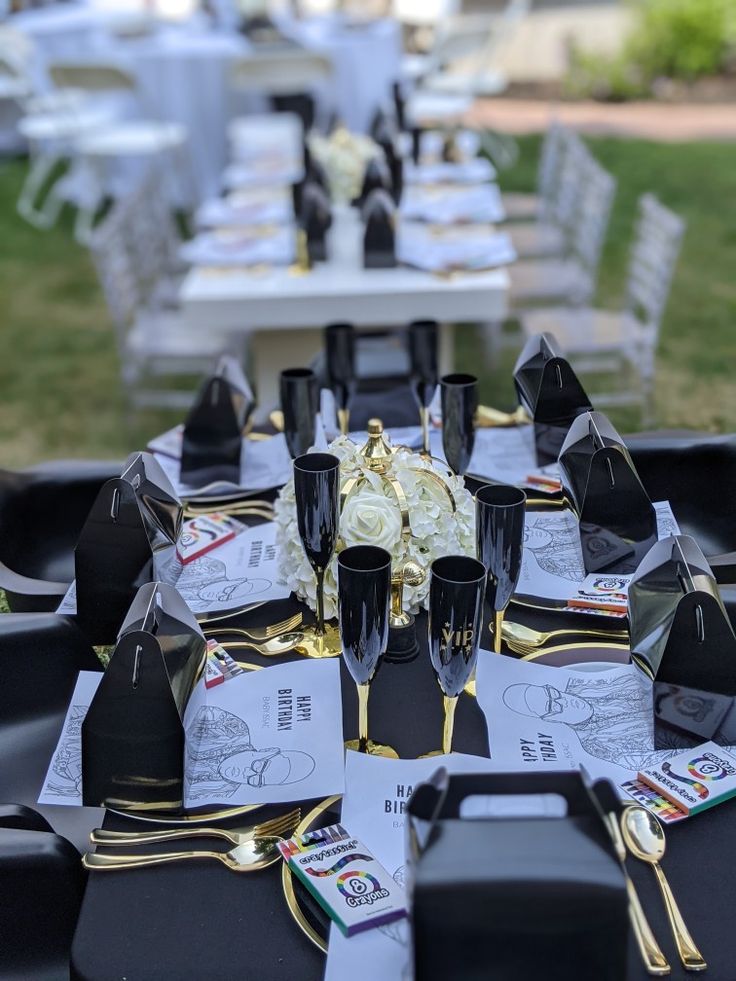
371	518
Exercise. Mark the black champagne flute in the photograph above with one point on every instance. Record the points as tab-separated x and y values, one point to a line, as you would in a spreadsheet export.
459	394
364	591
500	510
456	588
340	365
317	493
423	336
299	406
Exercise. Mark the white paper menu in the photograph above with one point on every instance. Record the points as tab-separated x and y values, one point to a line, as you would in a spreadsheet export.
268	736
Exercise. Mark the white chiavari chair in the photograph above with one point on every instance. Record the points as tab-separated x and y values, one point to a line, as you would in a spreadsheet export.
624	341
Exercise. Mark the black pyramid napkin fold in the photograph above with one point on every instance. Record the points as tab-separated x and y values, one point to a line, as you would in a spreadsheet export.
133	733
128	539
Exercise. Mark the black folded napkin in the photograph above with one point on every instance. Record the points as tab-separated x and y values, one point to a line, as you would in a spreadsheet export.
682	637
213	431
379	238
128	539
133	733
550	392
514	896
618	524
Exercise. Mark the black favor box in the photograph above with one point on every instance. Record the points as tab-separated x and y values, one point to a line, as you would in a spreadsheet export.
133	733
551	393
682	638
315	218
514	897
213	430
379	237
618	523
128	539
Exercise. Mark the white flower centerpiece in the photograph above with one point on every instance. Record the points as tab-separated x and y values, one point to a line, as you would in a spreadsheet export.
404	502
344	155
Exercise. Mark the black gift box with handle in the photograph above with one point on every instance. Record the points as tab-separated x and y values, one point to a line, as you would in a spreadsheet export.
213	430
128	539
133	733
618	523
551	393
512	897
682	638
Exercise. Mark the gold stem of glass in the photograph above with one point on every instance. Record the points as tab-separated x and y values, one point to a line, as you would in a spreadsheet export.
424	416
497	628
343	418
320	602
450	705
363	691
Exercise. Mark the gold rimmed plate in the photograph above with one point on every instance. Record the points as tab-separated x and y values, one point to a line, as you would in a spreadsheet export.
587	652
310	919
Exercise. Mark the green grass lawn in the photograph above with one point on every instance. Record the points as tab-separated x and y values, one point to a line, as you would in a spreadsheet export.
59	386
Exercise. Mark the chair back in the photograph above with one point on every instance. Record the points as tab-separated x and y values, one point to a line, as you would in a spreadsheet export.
652	262
596	193
572	159
116	270
550	161
280	73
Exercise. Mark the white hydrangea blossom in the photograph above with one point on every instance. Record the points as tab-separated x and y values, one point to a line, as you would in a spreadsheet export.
344	155
371	516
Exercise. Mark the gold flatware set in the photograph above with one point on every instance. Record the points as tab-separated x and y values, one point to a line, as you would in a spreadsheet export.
523	640
255	846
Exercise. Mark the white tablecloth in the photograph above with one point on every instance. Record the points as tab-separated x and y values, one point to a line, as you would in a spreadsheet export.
183	72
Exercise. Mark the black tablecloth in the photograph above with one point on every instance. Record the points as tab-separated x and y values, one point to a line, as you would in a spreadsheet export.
195	922
204	923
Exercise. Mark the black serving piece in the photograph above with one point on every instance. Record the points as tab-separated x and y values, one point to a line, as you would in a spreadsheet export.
456	588
423	342
459	394
315	218
299	404
379	238
500	510
549	390
364	594
377	177
510	895
317	493
618	523
128	539
681	636
339	340
133	733
213	430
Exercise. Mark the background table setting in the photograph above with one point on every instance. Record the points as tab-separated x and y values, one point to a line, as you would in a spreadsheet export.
401	577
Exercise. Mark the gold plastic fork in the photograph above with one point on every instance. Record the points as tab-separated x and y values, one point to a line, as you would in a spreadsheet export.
519	635
283	826
260	633
248	857
281	644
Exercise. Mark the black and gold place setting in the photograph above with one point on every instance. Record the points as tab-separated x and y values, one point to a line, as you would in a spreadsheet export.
438	723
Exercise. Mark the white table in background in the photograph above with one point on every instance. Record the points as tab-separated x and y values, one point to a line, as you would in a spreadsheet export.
283	313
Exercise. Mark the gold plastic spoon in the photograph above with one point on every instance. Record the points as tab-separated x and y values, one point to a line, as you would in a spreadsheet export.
644	837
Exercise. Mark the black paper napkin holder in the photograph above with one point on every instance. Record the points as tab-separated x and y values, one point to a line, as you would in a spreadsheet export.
682	638
379	237
128	539
133	733
618	523
513	897
551	393
213	430
315	218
